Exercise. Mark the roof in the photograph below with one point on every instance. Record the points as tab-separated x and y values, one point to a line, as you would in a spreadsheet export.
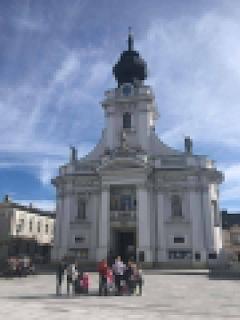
230	219
28	209
131	66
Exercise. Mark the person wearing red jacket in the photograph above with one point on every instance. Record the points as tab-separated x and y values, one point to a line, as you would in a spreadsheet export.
103	271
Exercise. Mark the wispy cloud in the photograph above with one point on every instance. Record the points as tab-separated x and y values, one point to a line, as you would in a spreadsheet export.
195	68
55	79
28	24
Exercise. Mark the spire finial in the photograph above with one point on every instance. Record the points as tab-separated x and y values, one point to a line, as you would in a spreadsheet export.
130	39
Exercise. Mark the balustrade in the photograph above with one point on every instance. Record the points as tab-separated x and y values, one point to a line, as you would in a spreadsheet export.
123	215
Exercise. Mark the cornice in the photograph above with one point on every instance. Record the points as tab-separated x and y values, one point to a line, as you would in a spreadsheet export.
181	189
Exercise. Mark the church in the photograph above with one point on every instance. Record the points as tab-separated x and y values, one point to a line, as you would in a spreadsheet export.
133	195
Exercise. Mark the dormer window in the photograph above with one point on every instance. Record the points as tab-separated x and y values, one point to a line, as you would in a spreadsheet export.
127	120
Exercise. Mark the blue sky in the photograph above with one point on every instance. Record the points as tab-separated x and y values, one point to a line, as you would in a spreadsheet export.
56	62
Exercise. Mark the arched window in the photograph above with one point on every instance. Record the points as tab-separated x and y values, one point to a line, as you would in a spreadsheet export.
126	120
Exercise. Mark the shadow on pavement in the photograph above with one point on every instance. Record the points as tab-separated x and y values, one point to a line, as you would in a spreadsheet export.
55	296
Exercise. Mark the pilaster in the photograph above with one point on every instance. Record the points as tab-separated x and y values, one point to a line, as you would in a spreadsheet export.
144	232
162	237
209	223
197	225
104	224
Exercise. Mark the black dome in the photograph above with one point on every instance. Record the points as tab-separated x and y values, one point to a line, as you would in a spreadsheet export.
131	68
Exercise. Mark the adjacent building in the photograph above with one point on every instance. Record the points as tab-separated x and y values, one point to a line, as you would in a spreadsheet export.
133	194
25	231
231	235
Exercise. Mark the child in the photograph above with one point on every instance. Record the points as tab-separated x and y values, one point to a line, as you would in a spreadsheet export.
109	280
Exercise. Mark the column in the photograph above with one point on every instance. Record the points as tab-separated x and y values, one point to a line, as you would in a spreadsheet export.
162	239
104	224
197	224
144	227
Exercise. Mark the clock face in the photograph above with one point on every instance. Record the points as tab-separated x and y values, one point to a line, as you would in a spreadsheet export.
126	90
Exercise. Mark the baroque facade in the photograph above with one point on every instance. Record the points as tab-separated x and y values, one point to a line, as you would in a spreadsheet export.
133	194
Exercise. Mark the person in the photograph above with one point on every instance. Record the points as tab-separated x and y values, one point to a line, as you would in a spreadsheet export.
109	280
18	267
102	270
71	277
118	270
129	277
79	282
138	275
60	276
24	266
110	259
85	282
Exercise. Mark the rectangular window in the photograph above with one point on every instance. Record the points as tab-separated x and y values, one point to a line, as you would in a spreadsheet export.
212	256
197	256
80	253
179	255
179	240
81	209
39	226
126	120
46	228
126	203
176	205
79	239
235	239
30	225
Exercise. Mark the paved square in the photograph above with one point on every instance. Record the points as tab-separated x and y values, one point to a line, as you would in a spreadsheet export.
165	296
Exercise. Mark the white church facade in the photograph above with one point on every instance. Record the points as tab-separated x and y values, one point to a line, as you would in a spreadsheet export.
134	195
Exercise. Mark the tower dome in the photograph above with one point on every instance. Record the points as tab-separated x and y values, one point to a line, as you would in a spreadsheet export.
131	68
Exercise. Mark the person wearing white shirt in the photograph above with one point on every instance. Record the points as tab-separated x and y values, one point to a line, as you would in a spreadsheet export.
118	270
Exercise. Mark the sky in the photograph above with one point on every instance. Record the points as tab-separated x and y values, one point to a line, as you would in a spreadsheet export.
56	62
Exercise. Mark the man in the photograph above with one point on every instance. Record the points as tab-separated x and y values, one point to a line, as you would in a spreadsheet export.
71	277
118	269
60	276
129	277
103	270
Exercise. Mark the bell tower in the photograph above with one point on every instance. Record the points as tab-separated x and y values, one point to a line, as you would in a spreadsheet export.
130	108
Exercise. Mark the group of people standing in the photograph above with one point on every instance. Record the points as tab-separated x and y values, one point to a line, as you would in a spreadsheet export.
77	281
19	266
125	278
117	277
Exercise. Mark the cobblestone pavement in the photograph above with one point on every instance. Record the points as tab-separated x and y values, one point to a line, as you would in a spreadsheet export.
165	296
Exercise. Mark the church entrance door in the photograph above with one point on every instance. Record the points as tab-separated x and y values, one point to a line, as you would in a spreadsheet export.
125	244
